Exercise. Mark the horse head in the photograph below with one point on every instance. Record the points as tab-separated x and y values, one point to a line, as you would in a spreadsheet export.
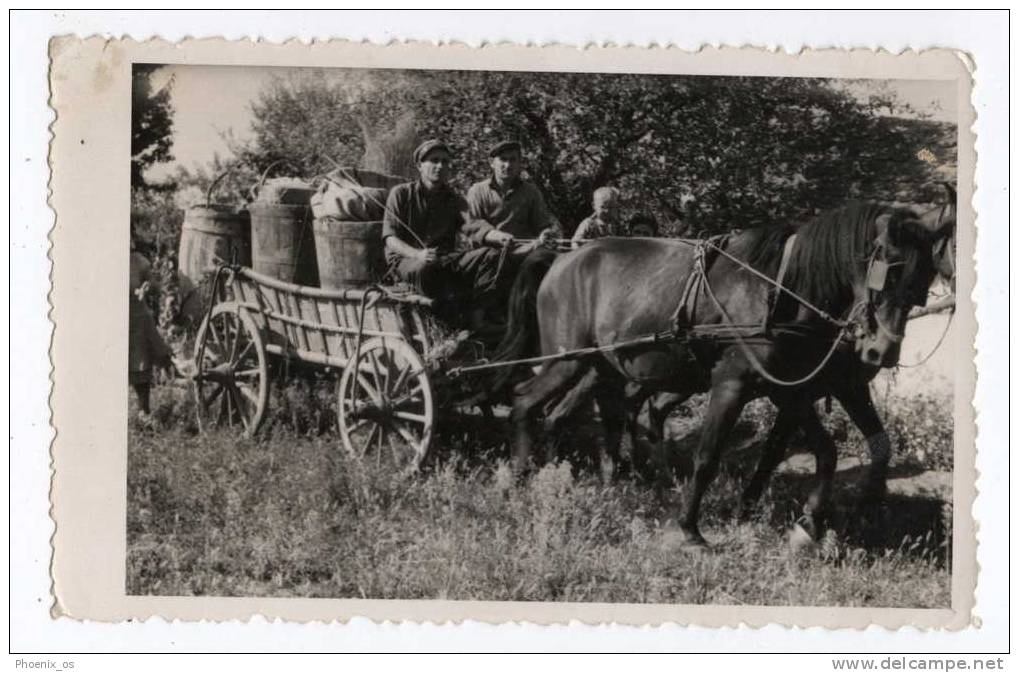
899	273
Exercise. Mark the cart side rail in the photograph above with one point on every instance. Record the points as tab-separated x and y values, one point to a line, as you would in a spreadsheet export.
324	326
346	295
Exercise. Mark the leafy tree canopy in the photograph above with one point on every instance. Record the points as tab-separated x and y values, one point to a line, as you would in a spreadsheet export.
702	154
151	123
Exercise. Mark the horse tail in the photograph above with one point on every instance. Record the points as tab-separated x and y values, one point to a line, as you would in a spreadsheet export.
521	337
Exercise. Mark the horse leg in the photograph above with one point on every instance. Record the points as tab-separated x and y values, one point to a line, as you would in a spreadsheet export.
141	391
649	451
772	454
858	404
635	396
724	407
532	396
659	408
825	454
611	399
576	396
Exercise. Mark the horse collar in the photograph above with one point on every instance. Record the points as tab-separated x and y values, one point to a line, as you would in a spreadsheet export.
783	268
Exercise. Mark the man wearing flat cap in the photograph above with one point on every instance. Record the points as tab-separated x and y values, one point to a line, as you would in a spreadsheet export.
510	212
419	232
507	207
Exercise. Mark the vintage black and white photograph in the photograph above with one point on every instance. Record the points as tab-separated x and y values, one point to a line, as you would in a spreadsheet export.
541	336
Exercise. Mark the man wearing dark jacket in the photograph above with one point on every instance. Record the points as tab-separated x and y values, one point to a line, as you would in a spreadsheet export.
508	206
510	211
420	228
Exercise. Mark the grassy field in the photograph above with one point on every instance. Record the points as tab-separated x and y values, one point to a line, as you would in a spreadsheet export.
288	514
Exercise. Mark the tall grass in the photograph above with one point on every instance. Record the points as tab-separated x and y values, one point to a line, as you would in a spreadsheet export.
289	514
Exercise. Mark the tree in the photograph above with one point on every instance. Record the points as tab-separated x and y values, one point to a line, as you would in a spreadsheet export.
707	154
151	123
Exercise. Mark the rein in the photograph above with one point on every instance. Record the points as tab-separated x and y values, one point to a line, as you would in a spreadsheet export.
740	334
709	243
700	271
877	273
941	340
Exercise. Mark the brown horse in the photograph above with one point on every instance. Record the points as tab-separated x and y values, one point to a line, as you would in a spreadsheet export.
845	378
862	265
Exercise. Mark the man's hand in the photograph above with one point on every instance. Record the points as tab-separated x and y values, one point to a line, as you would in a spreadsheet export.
498	239
526	248
428	255
547	238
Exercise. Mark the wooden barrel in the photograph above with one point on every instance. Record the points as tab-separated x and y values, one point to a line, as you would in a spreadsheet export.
349	253
283	245
213	234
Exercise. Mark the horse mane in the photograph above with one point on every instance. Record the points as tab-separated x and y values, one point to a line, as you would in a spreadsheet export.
828	253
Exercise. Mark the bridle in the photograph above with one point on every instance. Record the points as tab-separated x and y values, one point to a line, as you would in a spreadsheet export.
877	278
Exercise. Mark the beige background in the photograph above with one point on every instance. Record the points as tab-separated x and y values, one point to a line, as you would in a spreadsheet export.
91	83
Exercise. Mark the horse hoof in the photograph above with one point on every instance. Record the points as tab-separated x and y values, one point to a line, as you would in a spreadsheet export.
695	546
799	539
676	539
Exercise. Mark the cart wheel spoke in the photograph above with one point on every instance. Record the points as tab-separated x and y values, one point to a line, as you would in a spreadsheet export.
232	385
360	423
388	374
378	445
371	437
401	378
213	354
414	397
248	393
407	416
232	337
231	407
240	405
217	391
407	434
216	337
222	409
394	449
367	387
244	352
380	382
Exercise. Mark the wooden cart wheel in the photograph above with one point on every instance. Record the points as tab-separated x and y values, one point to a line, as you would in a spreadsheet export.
231	383
386	406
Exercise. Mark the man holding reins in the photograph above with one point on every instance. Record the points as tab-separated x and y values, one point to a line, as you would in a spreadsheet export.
508	208
510	211
419	231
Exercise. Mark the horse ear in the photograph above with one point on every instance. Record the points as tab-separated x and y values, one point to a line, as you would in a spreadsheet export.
921	229
882	221
938	223
885	224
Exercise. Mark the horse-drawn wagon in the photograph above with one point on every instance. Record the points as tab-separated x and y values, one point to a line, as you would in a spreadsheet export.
376	338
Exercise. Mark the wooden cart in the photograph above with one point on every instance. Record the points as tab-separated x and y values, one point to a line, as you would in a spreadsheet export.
376	338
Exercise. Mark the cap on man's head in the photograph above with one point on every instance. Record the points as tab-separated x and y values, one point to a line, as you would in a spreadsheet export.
428	146
504	146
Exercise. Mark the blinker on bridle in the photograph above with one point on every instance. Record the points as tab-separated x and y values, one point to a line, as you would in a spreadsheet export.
877	279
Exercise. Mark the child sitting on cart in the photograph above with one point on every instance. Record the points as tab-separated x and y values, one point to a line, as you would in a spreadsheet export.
603	221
